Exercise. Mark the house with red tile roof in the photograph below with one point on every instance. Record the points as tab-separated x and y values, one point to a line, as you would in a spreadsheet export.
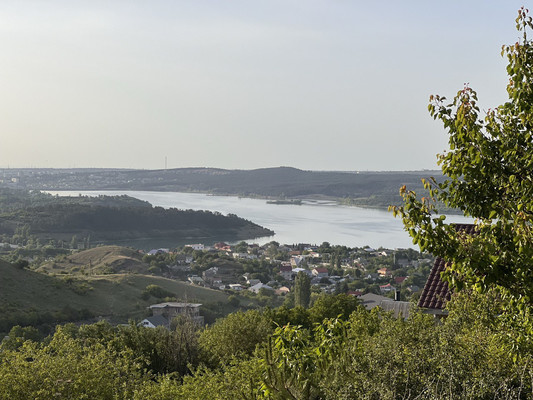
386	288
436	291
399	280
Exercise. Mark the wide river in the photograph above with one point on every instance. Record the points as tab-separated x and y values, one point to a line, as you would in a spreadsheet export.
312	222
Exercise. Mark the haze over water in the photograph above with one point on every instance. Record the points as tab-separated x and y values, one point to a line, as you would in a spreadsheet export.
311	222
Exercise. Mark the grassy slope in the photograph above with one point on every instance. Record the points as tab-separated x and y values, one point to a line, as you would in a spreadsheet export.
117	296
23	289
120	294
114	259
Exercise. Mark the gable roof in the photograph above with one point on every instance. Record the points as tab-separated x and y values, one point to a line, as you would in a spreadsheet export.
436	291
174	305
156	320
258	286
400	279
398	308
371	300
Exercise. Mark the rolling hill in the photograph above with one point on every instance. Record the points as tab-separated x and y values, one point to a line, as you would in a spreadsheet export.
98	260
33	298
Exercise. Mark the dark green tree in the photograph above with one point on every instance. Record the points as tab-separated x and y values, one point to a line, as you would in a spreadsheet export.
302	290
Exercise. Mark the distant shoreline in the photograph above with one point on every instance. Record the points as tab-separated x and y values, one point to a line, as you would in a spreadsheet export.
367	189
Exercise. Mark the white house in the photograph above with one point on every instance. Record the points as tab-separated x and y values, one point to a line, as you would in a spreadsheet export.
245	256
196	246
296	270
256	288
386	288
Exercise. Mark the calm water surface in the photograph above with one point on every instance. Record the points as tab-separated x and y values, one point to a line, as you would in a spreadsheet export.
311	222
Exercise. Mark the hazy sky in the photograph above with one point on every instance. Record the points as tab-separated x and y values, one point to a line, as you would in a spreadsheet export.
321	85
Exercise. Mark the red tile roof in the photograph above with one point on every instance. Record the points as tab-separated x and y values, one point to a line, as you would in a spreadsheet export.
400	279
436	291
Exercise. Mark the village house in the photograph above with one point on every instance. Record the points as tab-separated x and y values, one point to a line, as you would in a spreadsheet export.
258	286
196	246
386	288
236	286
154	321
372	276
320	272
221	246
210	277
154	252
244	256
163	313
296	270
282	290
398	308
195	280
183	259
297	260
253	282
399	280
385	272
285	270
436	292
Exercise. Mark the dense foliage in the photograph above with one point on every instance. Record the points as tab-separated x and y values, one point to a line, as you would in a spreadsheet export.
489	177
26	215
359	355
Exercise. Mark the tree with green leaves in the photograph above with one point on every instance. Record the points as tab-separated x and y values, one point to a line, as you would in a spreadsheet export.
488	174
302	290
235	336
69	368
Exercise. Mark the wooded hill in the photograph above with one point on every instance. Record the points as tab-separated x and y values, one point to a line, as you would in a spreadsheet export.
376	189
110	218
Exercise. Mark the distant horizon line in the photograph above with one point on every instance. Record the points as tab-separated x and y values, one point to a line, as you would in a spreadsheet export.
216	168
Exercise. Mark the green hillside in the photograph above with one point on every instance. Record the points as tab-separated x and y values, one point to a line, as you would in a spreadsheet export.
33	298
98	260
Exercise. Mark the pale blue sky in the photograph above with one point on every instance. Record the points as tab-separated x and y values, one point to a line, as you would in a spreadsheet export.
322	85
